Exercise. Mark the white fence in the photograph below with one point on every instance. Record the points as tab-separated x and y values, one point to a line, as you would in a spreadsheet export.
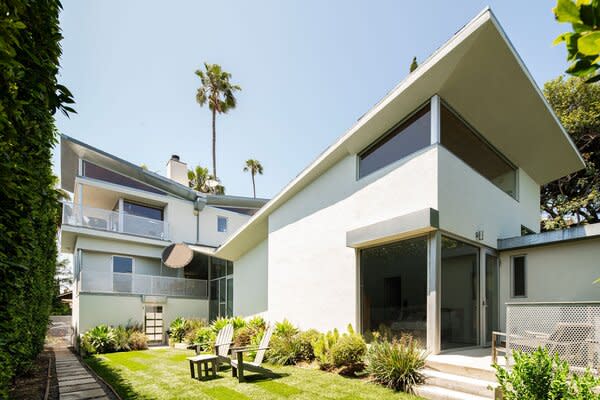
113	221
112	282
572	330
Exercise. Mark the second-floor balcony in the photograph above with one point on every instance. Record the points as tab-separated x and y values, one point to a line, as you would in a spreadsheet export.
113	221
122	283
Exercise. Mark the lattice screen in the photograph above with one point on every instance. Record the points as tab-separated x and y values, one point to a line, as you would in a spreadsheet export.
570	329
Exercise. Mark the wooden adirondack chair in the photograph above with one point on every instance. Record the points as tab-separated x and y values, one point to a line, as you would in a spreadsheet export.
238	365
222	344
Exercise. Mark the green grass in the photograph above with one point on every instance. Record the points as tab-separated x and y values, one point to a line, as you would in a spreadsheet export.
161	374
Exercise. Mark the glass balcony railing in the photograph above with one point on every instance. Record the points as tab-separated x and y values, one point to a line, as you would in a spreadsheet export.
112	282
113	221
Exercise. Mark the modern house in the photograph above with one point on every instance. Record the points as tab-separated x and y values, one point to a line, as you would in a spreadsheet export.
423	218
121	219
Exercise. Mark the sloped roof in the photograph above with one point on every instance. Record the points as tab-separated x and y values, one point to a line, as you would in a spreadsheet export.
479	73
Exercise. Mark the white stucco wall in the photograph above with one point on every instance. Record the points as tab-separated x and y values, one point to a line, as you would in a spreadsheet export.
209	235
115	310
312	275
182	221
468	202
250	275
560	272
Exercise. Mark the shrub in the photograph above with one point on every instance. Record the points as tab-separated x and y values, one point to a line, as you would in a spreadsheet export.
258	323
397	364
348	353
322	348
304	347
243	336
541	376
138	341
285	328
100	339
177	329
219	324
237	322
121	338
205	338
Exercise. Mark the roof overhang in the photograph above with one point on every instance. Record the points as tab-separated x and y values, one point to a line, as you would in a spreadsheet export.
480	75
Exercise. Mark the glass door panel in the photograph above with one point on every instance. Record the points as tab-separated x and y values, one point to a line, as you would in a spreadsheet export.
491	296
459	294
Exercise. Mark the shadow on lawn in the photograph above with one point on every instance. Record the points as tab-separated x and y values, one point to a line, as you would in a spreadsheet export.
114	379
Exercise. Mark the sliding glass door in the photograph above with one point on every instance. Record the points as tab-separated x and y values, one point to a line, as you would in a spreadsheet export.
491	309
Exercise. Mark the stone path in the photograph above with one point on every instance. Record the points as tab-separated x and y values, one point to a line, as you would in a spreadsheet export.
74	381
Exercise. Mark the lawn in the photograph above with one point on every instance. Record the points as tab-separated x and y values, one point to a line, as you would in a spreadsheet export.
160	374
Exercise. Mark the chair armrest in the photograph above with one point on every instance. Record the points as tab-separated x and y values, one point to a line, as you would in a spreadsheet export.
223	344
246	349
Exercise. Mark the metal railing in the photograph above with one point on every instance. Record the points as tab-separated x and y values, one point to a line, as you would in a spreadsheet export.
569	329
113	282
113	221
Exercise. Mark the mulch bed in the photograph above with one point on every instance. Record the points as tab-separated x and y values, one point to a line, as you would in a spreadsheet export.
32	384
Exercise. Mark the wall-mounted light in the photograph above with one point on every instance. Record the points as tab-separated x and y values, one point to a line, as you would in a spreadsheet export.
479	235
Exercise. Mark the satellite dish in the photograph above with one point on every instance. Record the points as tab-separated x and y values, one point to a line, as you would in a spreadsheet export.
177	255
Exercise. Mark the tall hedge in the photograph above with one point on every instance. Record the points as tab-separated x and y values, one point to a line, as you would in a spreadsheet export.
29	97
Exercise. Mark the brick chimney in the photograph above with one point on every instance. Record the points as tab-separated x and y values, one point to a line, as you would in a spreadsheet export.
177	170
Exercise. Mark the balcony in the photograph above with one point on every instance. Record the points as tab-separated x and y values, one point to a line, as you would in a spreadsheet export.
113	221
112	282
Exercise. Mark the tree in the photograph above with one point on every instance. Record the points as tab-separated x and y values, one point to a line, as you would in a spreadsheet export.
216	90
29	97
255	167
197	179
583	43
62	283
413	64
575	199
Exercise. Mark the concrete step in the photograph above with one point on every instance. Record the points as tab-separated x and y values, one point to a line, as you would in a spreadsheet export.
438	393
460	383
483	373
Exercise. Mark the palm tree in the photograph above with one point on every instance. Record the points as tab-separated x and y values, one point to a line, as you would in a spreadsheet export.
197	179
254	167
217	91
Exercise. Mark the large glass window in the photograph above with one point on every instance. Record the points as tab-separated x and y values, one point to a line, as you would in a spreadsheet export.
518	277
460	294
406	138
394	289
221	288
94	171
470	147
141	210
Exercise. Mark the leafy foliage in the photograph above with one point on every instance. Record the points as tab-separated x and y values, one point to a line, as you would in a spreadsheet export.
217	90
138	341
575	199
397	364
254	167
343	353
100	339
29	96
177	329
541	376
583	43
285	329
198	177
205	338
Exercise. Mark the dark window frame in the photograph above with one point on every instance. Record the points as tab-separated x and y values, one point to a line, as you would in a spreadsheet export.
391	133
513	293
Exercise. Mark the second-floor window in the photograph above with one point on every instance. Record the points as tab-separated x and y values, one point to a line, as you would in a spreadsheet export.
221	224
141	210
122	265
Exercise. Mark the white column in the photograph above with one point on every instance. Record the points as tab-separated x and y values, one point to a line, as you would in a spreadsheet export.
435	119
434	275
121	218
79	212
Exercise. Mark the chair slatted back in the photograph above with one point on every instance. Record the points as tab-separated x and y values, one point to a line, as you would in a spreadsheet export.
264	343
223	341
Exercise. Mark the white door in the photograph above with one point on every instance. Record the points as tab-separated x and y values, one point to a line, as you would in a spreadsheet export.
153	324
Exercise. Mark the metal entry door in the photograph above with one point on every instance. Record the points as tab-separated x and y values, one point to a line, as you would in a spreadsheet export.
153	324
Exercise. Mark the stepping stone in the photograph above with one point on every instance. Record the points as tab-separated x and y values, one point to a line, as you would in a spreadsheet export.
79	387
70	370
73	377
83	394
76	382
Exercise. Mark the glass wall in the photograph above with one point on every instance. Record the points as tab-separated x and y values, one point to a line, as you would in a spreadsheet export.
406	138
94	171
394	288
221	288
470	147
460	294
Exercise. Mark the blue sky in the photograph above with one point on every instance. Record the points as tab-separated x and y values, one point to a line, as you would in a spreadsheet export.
308	70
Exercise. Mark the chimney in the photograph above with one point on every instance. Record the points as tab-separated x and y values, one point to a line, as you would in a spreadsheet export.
177	170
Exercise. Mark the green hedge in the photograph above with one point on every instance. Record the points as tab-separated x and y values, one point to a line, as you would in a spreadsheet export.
29	96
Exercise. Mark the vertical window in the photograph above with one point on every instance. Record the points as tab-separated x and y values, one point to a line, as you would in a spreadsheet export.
518	275
409	136
122	265
221	224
